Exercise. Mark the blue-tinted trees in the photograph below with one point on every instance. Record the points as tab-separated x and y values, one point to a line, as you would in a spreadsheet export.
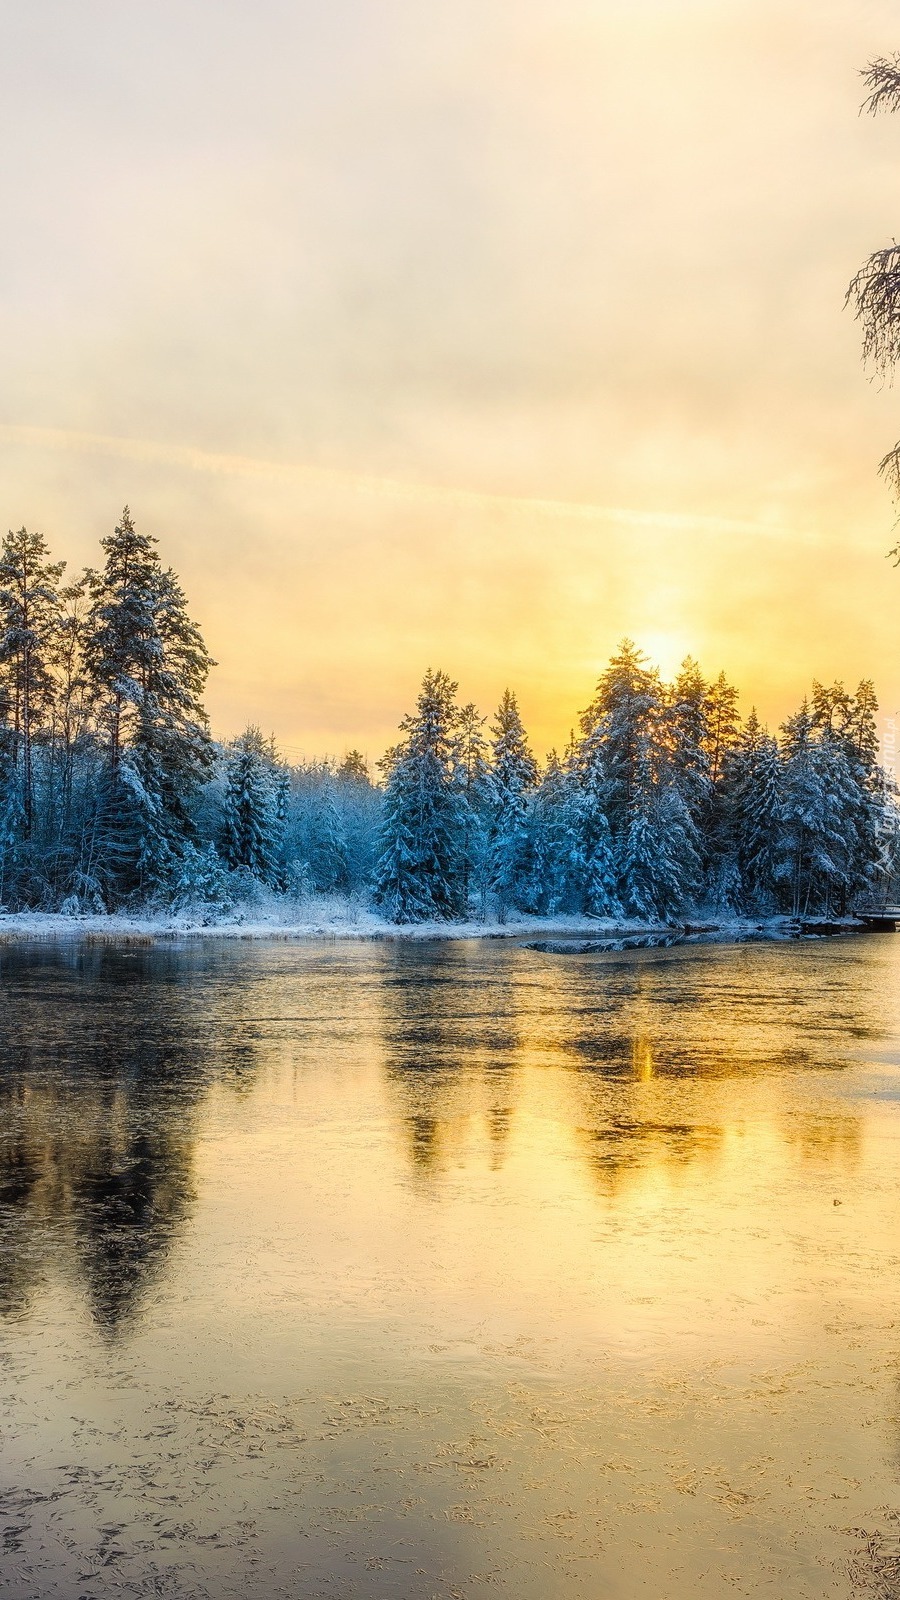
420	869
148	666
111	791
252	819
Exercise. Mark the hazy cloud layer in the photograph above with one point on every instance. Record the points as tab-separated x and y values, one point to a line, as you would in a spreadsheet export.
333	292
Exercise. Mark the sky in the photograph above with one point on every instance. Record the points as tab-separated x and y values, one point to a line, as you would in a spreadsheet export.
473	337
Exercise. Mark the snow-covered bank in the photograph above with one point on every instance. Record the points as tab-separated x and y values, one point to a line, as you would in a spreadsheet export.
324	918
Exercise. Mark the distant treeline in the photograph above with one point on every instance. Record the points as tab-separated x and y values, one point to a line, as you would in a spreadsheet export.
112	791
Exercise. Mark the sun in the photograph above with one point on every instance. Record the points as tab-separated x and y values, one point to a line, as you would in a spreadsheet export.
666	649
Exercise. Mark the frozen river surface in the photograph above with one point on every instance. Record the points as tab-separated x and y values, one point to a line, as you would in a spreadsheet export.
450	1272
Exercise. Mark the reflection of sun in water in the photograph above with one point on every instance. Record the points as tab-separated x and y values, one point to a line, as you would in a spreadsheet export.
642	1058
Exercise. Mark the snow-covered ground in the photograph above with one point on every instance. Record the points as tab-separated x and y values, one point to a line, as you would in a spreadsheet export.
335	918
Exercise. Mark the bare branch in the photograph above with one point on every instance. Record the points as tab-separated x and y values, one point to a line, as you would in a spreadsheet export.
875	294
882	79
875	291
889	470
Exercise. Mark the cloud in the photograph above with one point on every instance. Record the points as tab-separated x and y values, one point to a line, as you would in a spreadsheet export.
150	451
481	332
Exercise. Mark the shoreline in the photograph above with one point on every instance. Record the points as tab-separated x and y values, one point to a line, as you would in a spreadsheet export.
553	935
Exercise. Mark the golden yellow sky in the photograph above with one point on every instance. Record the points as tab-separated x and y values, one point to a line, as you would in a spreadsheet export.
472	336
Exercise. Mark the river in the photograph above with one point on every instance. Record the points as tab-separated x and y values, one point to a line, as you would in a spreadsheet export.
450	1271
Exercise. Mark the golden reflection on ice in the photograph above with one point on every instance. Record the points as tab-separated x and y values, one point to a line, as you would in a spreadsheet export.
527	1269
642	1058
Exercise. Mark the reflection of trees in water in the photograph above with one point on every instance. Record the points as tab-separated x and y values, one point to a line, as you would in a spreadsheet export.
662	1028
833	1140
726	1013
622	1149
638	1043
99	1082
450	1025
105	1055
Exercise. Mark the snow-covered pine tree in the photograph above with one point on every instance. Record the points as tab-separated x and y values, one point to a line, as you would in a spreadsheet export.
884	871
334	846
513	775
593	853
474	777
70	728
658	862
808	841
751	790
860	728
359	804
848	732
830	707
121	645
170	753
598	858
513	768
354	767
621	733
687	738
282	810
252	829
632	784
420	869
552	866
683	775
10	807
148	667
29	617
723	724
717	848
878	824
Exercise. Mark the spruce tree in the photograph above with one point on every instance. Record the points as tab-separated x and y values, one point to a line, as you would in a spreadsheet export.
10	809
552	872
856	788
354	767
621	733
720	863
687	736
29	617
358	803
809	840
475	783
684	782
333	865
751	790
594	854
420	872
513	774
148	666
252	829
658	861
723	723
71	724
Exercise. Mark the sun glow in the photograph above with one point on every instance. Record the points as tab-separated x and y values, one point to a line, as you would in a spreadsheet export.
384	354
666	649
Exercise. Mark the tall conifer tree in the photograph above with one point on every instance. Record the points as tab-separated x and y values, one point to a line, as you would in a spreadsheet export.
513	775
253	825
420	870
148	666
29	617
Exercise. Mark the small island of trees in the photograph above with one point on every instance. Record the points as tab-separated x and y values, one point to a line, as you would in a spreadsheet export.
113	793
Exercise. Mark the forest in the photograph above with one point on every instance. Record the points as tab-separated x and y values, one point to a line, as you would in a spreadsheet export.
665	801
